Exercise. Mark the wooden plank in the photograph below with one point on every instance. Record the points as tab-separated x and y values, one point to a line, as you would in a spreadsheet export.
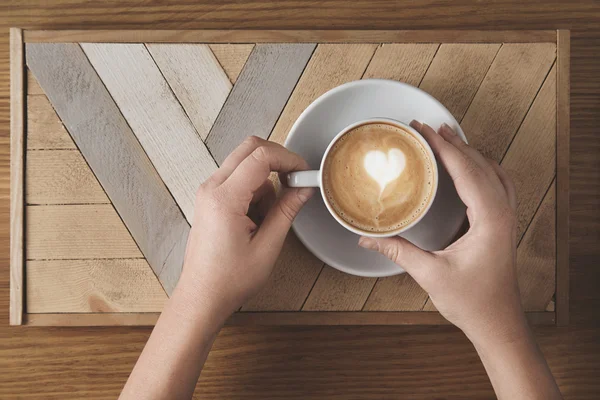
117	159
295	272
44	129
77	232
404	62
17	165
396	293
196	78
83	286
331	65
33	87
536	257
562	176
534	150
313	318
505	95
338	291
429	306
61	177
261	92
155	117
289	36
232	57
456	72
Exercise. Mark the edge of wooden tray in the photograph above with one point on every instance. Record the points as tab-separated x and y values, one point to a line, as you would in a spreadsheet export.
18	37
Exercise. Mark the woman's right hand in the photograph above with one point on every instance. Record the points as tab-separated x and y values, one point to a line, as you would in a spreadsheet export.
472	282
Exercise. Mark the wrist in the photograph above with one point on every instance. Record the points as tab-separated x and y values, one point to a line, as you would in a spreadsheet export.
500	332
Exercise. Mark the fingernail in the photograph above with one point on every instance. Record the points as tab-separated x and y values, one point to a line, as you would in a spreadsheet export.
446	128
305	193
416	124
368	243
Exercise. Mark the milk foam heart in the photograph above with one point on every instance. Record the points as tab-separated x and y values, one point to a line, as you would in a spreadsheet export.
384	168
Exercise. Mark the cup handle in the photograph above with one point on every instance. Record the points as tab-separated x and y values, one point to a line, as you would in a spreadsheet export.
303	179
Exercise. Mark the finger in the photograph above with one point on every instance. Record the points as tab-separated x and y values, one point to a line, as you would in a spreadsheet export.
451	137
279	219
470	181
508	185
263	199
255	169
415	261
238	155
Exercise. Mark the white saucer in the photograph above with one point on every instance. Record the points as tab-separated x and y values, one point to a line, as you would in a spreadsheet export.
316	127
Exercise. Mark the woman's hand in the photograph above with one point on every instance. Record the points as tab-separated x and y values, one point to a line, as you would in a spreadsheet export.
473	282
230	254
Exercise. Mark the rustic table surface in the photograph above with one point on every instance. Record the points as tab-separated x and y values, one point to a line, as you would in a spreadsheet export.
332	362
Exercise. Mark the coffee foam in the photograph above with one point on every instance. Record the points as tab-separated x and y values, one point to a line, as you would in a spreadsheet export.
378	178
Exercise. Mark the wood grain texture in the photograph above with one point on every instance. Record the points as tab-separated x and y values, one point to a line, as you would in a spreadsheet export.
116	157
505	95
196	78
338	291
77	232
92	286
155	116
531	156
33	87
61	177
536	257
232	57
17	167
294	273
456	73
404	62
563	201
289	36
396	293
429	306
45	130
330	66
259	95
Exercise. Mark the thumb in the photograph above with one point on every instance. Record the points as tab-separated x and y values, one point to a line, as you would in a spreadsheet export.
415	261
279	218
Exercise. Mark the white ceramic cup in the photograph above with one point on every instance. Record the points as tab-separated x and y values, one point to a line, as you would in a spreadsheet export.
315	178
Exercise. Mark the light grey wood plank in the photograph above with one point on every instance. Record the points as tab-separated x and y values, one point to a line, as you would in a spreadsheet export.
113	152
197	79
155	116
259	95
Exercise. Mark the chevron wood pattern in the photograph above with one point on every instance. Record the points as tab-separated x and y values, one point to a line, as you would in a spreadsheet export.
188	105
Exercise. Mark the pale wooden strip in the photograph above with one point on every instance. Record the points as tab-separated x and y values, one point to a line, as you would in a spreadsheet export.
77	231
404	62
396	293
429	306
267	318
155	117
17	165
290	36
61	177
456	72
536	257
533	150
551	306
261	92
232	57
331	65
44	128
293	276
118	161
82	286
33	87
338	291
196	78
505	96
562	175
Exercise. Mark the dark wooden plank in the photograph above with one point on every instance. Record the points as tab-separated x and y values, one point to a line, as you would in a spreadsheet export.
259	95
113	152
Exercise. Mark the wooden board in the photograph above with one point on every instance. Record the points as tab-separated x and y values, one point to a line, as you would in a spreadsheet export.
506	92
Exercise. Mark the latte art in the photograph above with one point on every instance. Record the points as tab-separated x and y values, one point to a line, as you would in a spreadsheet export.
378	177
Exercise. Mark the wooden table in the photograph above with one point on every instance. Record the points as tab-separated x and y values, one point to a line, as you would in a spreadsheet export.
340	362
